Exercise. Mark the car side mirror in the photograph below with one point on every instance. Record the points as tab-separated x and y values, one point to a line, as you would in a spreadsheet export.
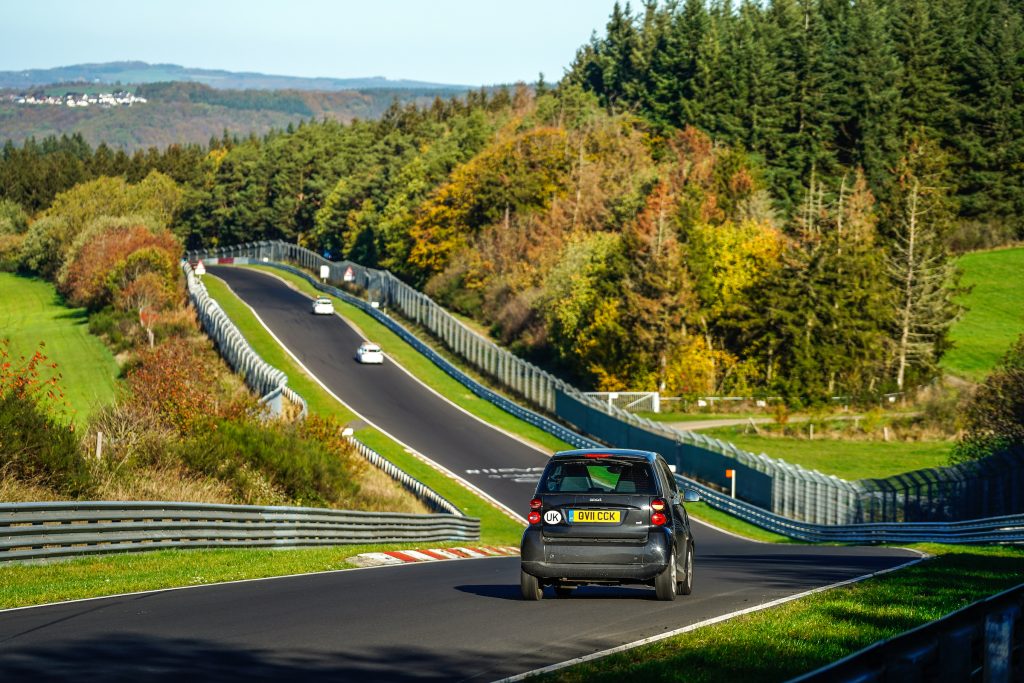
691	496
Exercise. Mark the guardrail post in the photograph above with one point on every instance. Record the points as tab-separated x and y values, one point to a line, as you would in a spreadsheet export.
999	645
955	654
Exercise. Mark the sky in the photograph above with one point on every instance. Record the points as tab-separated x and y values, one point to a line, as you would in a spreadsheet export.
461	42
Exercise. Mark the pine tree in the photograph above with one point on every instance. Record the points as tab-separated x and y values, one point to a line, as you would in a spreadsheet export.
920	269
867	104
926	102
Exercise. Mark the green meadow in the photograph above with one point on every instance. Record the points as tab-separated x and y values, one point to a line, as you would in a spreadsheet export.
32	313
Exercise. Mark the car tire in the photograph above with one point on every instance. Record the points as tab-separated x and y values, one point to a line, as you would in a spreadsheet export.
529	586
665	582
685	587
563	591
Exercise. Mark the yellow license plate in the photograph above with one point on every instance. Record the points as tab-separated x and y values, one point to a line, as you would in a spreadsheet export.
577	516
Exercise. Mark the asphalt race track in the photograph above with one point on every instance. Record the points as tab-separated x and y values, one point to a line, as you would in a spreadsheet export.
459	620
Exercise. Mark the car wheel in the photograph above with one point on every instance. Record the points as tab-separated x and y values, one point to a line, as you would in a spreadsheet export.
685	587
530	586
563	591
665	582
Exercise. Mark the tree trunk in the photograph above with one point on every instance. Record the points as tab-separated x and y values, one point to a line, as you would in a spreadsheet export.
906	314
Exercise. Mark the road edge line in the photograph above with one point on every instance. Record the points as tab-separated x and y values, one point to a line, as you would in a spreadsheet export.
707	622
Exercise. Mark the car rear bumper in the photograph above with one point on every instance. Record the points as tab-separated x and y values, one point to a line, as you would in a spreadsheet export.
593	572
598	560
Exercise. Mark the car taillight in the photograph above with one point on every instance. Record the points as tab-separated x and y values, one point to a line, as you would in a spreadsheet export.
657	505
535	504
657	519
534	517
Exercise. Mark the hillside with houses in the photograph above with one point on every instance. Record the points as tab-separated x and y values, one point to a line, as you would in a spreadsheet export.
78	99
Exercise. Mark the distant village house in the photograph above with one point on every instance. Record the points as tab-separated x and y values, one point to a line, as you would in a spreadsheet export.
71	99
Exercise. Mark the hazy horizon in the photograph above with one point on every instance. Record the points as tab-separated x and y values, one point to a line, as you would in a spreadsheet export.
447	41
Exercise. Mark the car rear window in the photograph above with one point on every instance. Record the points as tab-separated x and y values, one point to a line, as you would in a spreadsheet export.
598	476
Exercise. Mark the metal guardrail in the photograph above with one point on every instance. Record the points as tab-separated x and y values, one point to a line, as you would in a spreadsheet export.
1005	529
787	490
434	500
267	381
981	642
32	531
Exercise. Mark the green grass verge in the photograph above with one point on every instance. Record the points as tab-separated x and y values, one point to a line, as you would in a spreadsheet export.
37	584
845	459
705	513
780	643
995	312
495	526
31	312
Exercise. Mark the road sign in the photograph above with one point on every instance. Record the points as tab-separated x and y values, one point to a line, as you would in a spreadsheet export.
349	275
731	474
200	269
325	272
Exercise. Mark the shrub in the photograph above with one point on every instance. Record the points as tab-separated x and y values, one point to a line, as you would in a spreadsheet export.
117	328
249	454
178	383
34	447
994	417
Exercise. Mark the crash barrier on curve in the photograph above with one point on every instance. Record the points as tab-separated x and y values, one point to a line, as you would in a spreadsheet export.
267	381
263	377
981	642
33	531
991	487
1004	529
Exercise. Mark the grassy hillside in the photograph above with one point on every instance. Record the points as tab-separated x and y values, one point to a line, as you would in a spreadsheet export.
995	312
844	458
30	312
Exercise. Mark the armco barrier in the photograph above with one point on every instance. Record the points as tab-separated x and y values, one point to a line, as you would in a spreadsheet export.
267	381
981	642
992	488
32	531
1006	529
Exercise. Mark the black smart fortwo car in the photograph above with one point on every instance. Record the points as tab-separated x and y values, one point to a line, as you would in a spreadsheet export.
607	517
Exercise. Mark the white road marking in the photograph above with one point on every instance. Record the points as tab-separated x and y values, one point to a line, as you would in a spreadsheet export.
706	622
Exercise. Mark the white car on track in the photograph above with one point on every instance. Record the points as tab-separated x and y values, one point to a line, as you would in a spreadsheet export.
323	306
368	352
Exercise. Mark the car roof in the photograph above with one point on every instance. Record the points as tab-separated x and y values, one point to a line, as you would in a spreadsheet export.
629	453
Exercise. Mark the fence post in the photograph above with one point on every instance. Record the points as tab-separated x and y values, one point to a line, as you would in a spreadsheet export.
999	645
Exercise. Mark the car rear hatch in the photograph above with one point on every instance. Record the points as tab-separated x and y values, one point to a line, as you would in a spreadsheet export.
599	512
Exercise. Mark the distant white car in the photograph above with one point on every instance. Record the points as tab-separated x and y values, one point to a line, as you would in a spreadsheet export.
323	306
368	352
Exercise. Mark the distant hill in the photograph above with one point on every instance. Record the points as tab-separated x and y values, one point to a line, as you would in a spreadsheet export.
133	73
185	112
